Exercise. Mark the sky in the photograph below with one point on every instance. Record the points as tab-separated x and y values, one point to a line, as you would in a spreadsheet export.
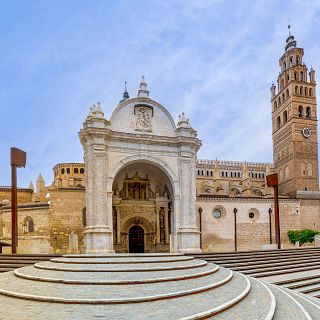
214	60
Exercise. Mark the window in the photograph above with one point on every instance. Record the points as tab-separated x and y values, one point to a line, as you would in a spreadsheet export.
28	225
309	169
301	76
75	170
308	112
297	60
198	172
285	116
301	89
84	216
283	97
300	111
287	93
81	170
305	91
310	92
216	213
296	90
281	84
303	169
278	122
284	65
295	76
222	173
275	104
62	171
251	215
291	60
68	170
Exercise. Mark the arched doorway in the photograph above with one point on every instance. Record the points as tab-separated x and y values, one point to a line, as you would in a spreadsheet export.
136	239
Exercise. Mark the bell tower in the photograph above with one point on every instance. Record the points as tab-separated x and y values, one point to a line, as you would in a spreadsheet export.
294	123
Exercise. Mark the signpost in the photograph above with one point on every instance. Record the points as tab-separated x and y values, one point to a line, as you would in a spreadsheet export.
272	181
17	160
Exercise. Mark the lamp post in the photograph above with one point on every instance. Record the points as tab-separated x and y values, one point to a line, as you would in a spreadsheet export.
270	226
235	210
272	181
17	160
200	225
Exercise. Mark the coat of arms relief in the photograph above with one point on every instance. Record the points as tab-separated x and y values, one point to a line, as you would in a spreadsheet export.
143	116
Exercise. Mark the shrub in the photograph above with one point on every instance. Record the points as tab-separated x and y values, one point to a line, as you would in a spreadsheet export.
303	236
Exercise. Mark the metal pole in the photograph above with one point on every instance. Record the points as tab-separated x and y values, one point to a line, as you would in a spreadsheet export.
235	210
200	226
276	216
270	226
14	218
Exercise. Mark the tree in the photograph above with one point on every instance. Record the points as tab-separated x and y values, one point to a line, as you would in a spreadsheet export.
303	236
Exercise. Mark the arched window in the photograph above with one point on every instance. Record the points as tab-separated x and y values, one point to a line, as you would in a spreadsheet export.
84	216
285	116
275	104
281	84
283	97
284	65
301	76
287	93
211	173
286	172
300	111
62	171
310	92
297	60
81	170
278	122
303	169
290	61
68	170
301	89
288	78
28	225
75	170
295	76
296	89
281	174
309	169
198	172
306	91
279	101
222	173
308	112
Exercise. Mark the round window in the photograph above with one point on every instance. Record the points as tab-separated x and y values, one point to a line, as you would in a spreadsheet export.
216	213
251	215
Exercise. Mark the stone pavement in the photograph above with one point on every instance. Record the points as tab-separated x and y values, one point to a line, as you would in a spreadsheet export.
142	286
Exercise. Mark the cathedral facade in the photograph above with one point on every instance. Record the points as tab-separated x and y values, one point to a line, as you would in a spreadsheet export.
142	188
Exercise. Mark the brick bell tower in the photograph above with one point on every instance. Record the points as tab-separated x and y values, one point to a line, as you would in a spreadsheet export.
294	123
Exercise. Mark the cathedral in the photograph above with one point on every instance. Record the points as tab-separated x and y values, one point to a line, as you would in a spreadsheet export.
142	187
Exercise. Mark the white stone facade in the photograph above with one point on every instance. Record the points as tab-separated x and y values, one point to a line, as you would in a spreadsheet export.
140	131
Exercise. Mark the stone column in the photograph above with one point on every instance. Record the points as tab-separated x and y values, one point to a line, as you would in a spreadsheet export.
94	137
167	225
118	225
158	224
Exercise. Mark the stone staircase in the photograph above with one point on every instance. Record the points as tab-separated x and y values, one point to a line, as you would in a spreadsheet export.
295	269
9	262
144	286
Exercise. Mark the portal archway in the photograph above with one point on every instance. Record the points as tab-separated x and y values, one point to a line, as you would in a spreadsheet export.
142	195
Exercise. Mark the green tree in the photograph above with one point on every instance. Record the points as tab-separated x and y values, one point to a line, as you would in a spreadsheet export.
303	236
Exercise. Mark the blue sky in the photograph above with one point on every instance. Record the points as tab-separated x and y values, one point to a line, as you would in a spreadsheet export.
214	60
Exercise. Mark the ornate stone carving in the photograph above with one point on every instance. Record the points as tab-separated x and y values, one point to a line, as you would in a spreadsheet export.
143	118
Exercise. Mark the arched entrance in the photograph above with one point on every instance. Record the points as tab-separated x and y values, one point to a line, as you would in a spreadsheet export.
142	196
136	239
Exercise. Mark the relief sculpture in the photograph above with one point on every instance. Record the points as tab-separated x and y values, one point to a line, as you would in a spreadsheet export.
143	119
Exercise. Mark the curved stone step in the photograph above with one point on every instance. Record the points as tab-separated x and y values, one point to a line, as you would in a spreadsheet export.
35	274
108	294
154	266
312	308
120	260
188	307
259	304
286	306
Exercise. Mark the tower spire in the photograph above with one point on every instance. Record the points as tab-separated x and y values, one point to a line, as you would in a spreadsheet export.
125	95
290	42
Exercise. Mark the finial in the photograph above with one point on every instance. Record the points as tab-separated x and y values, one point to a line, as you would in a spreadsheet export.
289	26
125	95
143	91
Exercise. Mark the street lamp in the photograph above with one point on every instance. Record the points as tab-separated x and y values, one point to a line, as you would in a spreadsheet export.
270	227
235	210
200	225
17	160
